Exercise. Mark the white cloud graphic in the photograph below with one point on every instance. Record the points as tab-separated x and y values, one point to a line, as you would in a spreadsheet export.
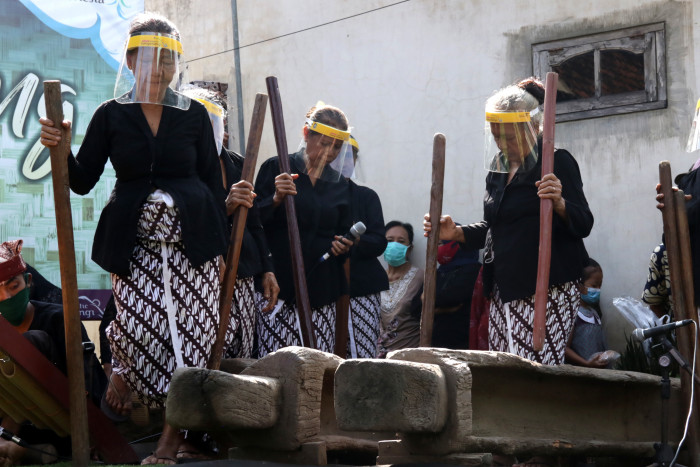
104	22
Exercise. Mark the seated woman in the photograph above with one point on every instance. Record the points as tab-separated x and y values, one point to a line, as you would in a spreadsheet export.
401	304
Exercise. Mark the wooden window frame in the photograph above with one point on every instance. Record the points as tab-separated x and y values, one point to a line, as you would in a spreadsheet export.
649	39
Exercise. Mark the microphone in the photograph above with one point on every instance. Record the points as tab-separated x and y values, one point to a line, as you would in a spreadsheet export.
643	334
355	232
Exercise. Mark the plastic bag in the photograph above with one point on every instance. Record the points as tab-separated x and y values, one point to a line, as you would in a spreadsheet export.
637	313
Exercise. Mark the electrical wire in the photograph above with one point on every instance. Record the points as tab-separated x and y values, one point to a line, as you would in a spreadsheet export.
692	398
297	32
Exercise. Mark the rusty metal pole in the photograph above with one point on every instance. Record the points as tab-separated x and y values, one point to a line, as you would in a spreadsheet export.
80	438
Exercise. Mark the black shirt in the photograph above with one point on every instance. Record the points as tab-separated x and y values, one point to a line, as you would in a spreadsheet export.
180	160
367	276
512	212
323	211
48	317
255	255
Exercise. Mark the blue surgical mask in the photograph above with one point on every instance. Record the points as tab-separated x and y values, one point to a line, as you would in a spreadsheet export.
395	254
592	296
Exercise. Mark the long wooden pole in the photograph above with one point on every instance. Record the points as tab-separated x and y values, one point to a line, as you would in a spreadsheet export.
239	219
302	294
80	440
686	335
436	189
669	214
342	316
545	252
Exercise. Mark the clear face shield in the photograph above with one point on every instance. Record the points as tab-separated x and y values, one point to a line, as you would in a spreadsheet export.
325	150
217	115
694	137
510	141
152	71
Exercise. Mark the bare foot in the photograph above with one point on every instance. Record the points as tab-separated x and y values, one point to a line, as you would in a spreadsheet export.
10	453
118	395
166	450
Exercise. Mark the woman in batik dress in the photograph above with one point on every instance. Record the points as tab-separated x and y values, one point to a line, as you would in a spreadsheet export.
509	232
162	233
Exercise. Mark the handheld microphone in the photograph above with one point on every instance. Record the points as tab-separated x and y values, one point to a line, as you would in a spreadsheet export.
643	334
355	232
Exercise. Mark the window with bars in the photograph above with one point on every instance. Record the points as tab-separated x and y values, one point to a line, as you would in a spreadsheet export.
609	73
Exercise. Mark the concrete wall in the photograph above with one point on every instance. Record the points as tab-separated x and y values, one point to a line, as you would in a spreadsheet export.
411	69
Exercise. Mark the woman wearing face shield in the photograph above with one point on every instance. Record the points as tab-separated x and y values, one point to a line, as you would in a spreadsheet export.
163	229
509	232
322	203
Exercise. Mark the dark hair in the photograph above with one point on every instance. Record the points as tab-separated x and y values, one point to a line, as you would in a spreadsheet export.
405	225
534	86
590	267
328	115
153	22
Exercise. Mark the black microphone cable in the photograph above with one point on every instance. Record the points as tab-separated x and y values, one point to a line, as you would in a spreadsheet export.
692	397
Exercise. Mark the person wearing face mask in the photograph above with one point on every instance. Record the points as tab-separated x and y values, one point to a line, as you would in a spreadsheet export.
401	304
42	324
587	343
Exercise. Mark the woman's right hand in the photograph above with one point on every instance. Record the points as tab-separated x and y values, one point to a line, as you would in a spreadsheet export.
660	196
448	229
284	185
241	194
50	135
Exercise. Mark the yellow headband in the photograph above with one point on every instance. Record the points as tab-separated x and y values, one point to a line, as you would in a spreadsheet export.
328	130
212	108
353	141
507	117
162	42
698	105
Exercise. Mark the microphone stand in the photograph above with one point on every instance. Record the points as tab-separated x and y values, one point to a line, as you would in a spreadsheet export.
664	453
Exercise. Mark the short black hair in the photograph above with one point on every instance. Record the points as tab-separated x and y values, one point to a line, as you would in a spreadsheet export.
590	267
407	227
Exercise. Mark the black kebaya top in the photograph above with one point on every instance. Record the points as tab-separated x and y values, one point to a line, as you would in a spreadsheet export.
512	213
255	255
367	276
180	159
322	211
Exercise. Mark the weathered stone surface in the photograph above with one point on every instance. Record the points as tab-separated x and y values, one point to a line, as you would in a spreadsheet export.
306	408
390	395
200	399
518	406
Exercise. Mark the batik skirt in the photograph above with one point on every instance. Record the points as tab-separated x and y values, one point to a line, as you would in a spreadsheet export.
167	309
365	314
243	312
281	328
510	324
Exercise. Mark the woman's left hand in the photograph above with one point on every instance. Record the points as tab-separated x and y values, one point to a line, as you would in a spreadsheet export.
241	194
550	188
340	245
270	290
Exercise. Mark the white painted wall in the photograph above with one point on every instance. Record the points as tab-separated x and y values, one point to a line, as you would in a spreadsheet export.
405	72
